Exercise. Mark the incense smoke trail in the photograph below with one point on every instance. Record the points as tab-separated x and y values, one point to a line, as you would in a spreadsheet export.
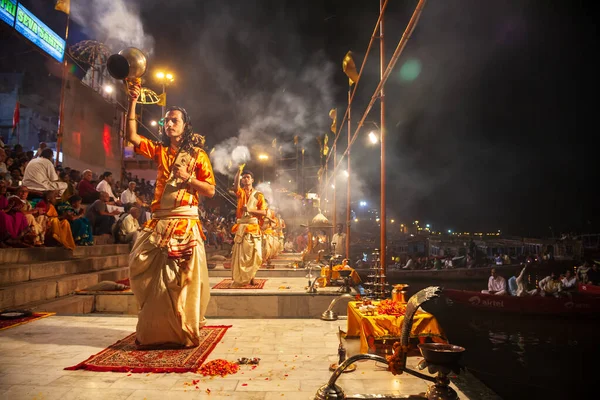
116	23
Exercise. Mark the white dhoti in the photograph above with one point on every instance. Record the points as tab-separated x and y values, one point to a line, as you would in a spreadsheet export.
267	247
246	256
169	278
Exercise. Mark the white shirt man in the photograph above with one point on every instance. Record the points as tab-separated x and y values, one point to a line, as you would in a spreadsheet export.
128	196
130	226
569	281
410	264
104	186
496	284
338	241
40	174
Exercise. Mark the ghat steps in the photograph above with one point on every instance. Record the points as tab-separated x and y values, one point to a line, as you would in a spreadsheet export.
46	278
52	279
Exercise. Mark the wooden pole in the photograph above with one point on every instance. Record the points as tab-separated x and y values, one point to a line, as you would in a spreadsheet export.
388	70
63	87
334	200
382	65
348	184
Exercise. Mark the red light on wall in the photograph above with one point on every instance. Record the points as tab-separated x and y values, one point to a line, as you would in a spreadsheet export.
76	143
106	140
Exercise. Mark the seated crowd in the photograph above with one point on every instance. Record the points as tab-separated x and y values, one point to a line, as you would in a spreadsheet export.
44	205
552	285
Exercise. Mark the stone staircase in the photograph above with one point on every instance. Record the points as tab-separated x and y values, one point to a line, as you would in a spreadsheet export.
45	279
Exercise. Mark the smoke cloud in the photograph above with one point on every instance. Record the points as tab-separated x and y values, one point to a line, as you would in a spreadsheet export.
257	84
228	155
116	23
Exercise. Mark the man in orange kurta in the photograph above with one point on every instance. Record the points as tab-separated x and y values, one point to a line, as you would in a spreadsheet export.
168	271
247	242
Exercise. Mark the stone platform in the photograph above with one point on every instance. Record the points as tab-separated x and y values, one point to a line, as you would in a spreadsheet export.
278	272
295	357
279	324
281	297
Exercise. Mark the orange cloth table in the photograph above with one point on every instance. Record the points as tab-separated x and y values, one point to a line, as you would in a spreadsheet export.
335	274
390	326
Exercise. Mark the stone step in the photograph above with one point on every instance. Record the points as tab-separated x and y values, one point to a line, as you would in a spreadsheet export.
51	288
71	304
289	255
15	273
280	298
262	273
39	254
101	249
238	305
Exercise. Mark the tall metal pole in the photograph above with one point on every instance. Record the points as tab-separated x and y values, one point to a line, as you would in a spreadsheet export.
383	217
334	219
297	165
164	106
348	185
63	88
303	177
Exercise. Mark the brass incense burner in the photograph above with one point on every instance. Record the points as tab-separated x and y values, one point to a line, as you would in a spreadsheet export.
438	358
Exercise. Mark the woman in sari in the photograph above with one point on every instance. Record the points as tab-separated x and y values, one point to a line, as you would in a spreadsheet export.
80	226
58	228
13	225
36	230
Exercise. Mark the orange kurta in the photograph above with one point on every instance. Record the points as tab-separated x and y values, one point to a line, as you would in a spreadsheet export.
242	200
199	165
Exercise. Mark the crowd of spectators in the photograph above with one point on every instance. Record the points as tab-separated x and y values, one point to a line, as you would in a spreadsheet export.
44	205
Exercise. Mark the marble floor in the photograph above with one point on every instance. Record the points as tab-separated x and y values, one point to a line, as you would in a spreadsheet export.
295	356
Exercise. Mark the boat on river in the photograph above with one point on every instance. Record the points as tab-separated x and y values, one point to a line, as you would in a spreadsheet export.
589	289
580	304
451	274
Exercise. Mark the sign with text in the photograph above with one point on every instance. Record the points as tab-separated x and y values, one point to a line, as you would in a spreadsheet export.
39	34
8	11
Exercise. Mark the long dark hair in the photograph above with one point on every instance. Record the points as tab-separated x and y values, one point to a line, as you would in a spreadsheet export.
190	139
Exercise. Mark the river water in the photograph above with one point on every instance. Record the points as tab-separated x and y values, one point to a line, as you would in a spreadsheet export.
520	356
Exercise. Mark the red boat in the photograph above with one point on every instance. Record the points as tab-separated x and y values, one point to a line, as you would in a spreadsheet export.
579	303
589	289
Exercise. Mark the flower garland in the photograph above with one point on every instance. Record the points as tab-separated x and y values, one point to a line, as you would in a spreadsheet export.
390	307
397	361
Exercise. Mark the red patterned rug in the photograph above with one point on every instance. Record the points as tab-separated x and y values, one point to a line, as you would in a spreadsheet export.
123	356
228	284
6	323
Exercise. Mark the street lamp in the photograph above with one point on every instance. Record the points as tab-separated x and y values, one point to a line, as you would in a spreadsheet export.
373	137
164	78
263	157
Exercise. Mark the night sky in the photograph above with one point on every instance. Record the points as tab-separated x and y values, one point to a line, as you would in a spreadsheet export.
492	131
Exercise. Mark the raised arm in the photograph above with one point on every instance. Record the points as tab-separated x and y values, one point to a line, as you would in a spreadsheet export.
238	177
134	87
